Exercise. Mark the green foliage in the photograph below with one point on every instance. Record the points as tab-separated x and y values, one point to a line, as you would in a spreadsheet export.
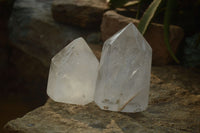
148	15
167	18
186	15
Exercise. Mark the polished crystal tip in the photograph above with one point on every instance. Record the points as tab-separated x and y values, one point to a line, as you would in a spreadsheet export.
124	72
73	73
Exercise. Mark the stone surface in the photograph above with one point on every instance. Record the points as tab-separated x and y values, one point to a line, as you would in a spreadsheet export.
174	106
113	22
83	13
124	72
34	31
73	73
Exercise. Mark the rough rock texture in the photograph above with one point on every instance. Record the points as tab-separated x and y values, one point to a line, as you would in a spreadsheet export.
113	22
83	13
174	106
34	31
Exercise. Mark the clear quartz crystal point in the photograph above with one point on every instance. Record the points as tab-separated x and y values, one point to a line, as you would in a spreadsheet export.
123	81
73	74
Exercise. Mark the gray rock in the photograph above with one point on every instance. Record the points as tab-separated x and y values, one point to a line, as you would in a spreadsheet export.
34	31
173	107
94	38
83	13
113	22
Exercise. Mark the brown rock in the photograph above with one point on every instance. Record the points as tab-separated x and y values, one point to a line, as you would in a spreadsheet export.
37	34
96	49
167	112
113	22
83	13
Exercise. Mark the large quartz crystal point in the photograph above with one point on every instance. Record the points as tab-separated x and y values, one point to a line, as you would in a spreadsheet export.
124	72
73	74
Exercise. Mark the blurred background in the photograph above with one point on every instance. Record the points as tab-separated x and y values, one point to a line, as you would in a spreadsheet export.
33	31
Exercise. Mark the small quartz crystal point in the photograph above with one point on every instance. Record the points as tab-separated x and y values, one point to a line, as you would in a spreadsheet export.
73	73
123	80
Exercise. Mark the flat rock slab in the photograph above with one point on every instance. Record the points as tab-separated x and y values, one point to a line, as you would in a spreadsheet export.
173	107
83	13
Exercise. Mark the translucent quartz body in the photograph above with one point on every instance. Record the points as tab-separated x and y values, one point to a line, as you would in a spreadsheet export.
73	74
124	72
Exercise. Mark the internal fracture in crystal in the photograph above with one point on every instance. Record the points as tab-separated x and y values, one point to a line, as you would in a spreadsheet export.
73	73
124	72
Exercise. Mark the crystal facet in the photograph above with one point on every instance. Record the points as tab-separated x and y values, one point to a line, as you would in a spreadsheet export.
73	74
124	72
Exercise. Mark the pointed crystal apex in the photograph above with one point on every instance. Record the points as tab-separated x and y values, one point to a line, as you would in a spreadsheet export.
124	72
73	73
